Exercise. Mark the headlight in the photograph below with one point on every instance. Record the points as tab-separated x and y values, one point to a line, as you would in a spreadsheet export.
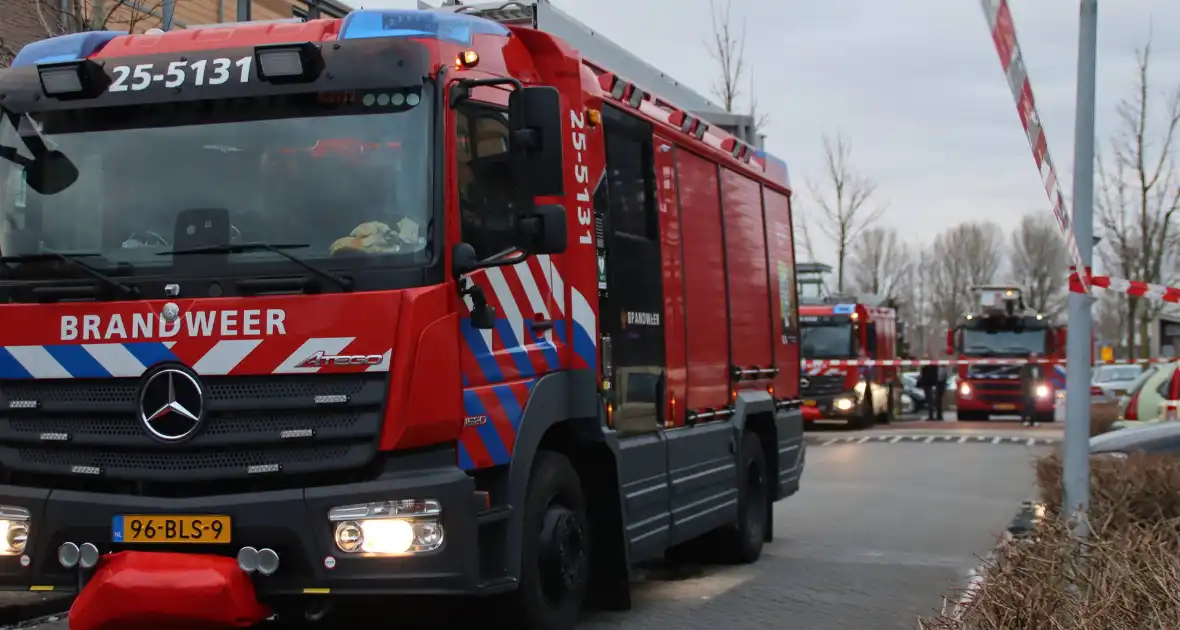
389	528
14	524
1043	391
843	404
965	389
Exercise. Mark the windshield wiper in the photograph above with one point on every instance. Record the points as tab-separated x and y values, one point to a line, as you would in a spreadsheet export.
240	248
73	259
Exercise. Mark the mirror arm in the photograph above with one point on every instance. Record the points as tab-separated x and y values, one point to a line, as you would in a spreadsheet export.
462	90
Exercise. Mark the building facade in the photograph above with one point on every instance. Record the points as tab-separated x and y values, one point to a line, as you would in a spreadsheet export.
24	21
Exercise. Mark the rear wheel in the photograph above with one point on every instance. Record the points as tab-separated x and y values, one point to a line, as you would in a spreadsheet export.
742	542
555	555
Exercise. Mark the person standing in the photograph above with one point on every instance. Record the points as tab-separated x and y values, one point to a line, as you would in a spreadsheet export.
940	391
1031	377
928	382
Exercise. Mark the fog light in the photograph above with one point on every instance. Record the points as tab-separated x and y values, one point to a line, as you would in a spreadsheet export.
843	404
267	561
14	523
67	555
87	555
248	559
389	528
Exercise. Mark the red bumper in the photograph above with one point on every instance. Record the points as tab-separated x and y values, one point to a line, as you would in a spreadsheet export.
135	590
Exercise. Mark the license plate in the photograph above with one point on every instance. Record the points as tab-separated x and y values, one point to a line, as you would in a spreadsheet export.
171	528
809	403
1005	406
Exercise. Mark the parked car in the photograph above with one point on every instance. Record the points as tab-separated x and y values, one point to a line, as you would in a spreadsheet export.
1152	396
1112	382
1162	437
909	384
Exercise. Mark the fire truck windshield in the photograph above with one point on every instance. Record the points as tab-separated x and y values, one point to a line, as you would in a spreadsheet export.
826	340
342	175
1003	342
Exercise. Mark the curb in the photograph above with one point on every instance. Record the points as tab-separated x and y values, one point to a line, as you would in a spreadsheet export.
1019	529
929	438
35	609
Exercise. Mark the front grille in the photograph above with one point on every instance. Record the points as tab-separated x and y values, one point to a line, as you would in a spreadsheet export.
822	385
1006	391
253	427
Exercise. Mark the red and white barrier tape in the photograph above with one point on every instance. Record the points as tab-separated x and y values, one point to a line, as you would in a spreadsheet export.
948	362
1003	30
1133	288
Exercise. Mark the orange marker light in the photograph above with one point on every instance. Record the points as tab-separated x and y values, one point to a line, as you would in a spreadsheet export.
467	60
594	117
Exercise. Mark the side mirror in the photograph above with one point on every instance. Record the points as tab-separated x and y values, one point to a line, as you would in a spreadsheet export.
463	260
871	340
534	119
950	342
543	230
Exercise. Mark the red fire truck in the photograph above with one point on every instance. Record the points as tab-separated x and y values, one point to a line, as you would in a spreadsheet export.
412	302
994	341
833	334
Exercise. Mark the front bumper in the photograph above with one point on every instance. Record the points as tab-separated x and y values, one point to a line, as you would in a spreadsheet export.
824	407
292	522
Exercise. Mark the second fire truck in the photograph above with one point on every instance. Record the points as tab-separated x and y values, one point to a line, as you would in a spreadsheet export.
840	336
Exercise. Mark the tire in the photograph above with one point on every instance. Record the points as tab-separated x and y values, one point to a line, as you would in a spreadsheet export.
741	543
555	550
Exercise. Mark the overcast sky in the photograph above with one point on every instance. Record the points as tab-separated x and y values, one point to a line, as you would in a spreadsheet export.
914	84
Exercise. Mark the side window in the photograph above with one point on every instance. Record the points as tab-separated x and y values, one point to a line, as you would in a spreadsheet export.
630	176
487	213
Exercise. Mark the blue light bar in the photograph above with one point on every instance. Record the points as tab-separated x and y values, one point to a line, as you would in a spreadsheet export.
70	47
450	27
844	309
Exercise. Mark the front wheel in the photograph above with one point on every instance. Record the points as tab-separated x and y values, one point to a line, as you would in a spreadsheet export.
555	554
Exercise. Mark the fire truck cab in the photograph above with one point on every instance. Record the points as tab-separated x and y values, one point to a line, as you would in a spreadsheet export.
836	333
995	339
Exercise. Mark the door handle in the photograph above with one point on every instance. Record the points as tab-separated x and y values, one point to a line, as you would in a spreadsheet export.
542	324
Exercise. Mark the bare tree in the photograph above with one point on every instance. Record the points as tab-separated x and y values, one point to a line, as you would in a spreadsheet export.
962	257
847	211
98	15
1138	197
879	262
728	48
1040	263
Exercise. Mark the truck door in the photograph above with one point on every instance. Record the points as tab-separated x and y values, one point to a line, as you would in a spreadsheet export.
631	315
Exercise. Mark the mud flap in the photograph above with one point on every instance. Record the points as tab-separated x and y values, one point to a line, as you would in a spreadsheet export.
135	590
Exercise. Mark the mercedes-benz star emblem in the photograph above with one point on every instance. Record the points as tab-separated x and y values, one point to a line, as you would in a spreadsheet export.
804	383
170	312
171	405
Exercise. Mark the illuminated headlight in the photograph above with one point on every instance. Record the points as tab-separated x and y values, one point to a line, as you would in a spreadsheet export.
389	528
965	389
14	523
1043	391
843	404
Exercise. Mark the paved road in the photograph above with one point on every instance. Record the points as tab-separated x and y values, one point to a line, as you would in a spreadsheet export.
879	532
